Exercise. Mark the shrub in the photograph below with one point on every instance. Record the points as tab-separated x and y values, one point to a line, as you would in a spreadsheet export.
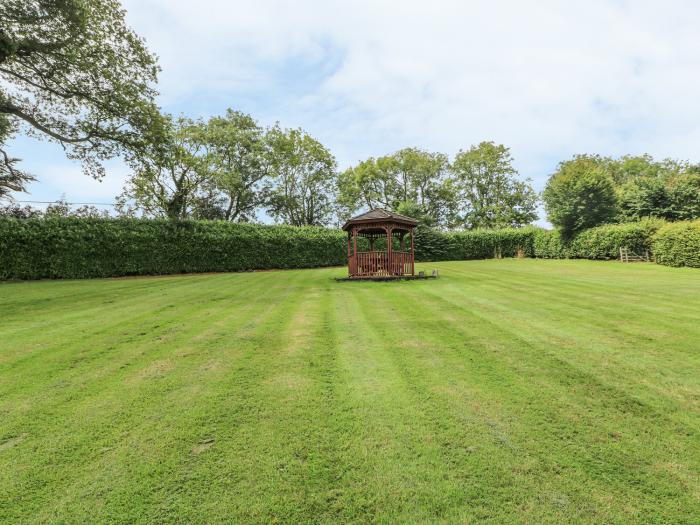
549	244
69	247
434	245
678	244
604	242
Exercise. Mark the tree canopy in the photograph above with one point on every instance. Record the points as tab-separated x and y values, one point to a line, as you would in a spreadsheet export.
490	193
303	171
580	195
411	179
72	72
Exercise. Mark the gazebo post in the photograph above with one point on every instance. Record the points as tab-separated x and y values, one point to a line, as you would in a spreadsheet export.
413	257
389	258
354	251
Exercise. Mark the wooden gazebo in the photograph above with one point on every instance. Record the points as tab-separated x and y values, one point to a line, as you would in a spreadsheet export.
387	262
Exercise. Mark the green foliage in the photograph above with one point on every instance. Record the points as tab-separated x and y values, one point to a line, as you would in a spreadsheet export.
168	176
678	244
304	174
410	179
238	161
59	246
11	177
69	247
434	245
549	244
643	188
73	72
604	242
580	195
490	194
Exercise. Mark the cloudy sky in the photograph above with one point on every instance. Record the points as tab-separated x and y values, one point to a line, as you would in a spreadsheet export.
547	79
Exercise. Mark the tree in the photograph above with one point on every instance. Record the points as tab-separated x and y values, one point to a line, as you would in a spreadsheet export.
410	178
490	194
580	195
304	177
644	197
170	174
238	159
669	189
11	177
73	72
684	193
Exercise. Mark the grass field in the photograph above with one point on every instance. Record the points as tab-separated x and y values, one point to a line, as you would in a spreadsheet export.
513	391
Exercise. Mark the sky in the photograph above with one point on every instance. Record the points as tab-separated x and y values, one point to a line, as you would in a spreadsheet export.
549	79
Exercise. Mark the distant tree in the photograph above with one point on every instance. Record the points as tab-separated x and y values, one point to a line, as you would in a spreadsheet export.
669	189
371	184
169	176
73	72
20	212
580	195
642	197
684	192
238	161
304	178
411	178
490	193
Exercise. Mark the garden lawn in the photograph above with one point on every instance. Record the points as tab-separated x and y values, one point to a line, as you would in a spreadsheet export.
511	391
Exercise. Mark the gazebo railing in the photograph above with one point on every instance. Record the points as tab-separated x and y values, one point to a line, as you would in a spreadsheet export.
378	264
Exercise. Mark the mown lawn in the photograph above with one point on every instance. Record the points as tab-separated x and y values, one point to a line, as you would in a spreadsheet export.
514	391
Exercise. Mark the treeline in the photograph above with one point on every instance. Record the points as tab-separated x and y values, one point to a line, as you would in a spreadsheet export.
590	190
231	168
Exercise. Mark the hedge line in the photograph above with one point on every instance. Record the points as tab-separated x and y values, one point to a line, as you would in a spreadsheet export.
602	242
70	247
77	247
434	245
678	244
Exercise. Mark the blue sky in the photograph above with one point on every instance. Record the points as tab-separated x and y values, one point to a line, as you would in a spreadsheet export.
547	79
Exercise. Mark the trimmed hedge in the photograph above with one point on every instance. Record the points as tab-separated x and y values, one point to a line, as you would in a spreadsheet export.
678	244
604	242
601	242
434	245
549	244
73	247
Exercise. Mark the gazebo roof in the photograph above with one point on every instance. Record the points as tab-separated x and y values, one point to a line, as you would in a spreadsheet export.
380	215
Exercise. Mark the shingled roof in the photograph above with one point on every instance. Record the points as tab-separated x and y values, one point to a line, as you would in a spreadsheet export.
380	215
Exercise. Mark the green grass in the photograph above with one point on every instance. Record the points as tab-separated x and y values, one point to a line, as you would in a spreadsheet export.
513	391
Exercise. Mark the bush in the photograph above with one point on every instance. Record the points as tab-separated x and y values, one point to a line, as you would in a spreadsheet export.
434	245
549	244
69	247
678	244
604	242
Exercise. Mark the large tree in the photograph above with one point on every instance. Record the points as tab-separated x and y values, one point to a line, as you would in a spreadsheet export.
169	177
73	72
304	174
238	160
490	193
580	195
409	179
